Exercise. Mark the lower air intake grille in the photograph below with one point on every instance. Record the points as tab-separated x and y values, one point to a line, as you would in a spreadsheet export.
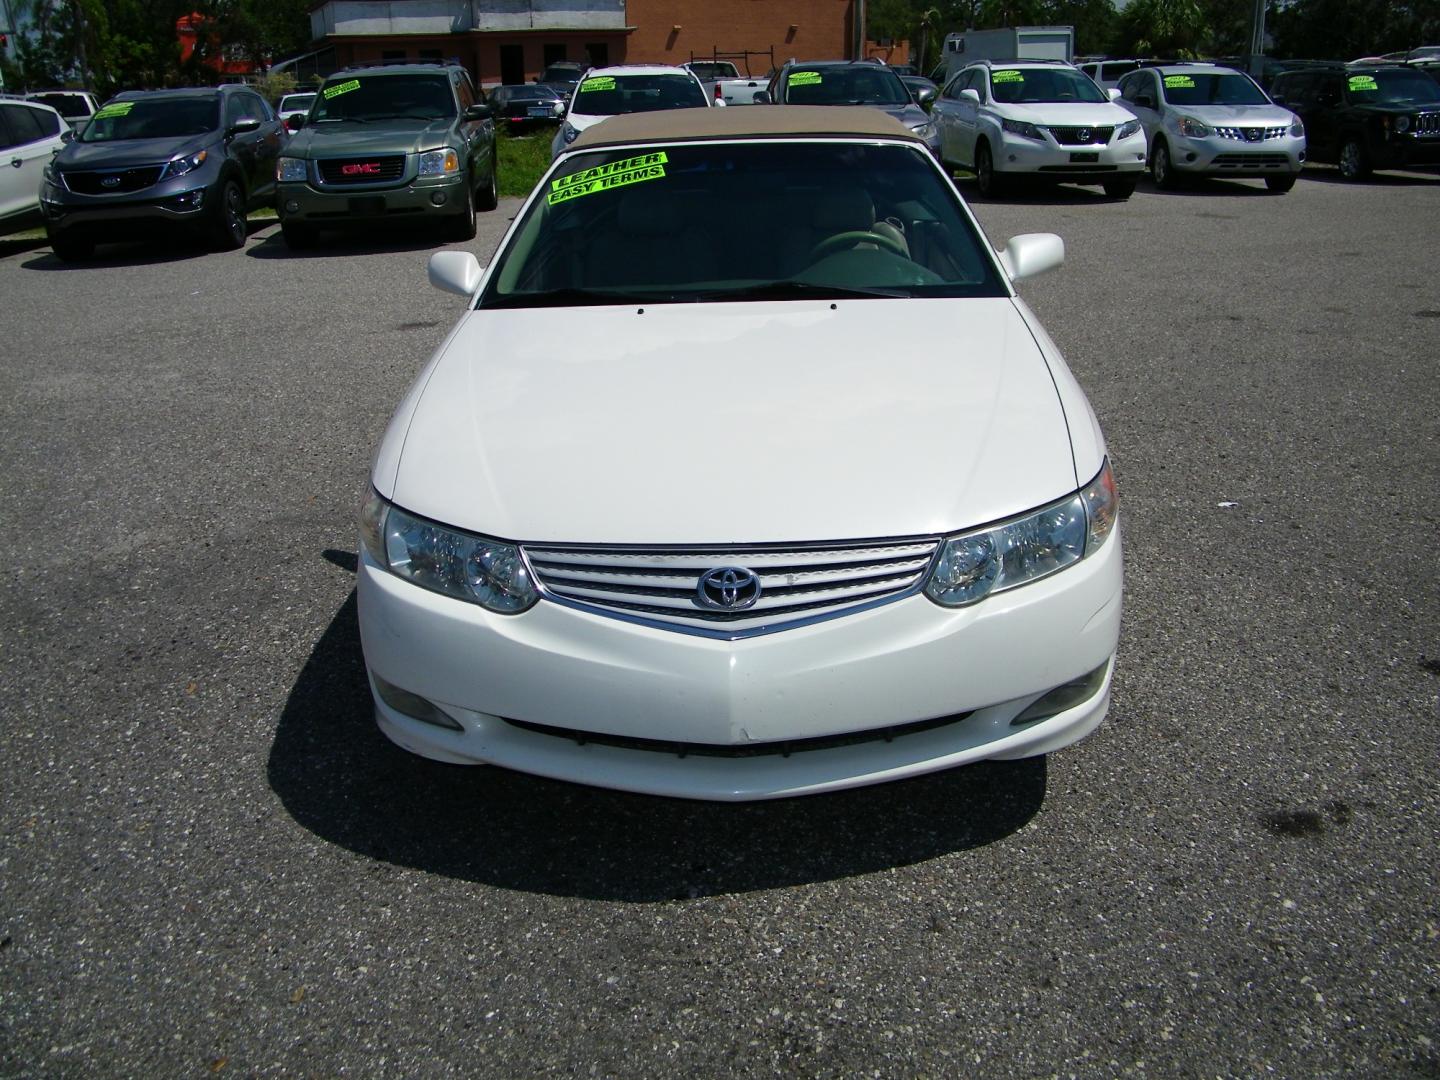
765	589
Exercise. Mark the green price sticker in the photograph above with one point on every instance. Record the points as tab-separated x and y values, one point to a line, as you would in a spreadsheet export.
1179	82
120	108
341	88
1008	75
600	82
1363	82
805	78
617	174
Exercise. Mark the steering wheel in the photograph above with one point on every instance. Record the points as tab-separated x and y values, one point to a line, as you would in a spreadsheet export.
856	236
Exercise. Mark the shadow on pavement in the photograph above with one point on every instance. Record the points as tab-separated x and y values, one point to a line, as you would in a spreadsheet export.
341	779
163	246
1330	175
378	239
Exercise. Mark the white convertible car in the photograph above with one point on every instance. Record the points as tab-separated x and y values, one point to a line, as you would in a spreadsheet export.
745	474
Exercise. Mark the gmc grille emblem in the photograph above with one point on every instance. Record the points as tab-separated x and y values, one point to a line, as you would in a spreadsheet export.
365	168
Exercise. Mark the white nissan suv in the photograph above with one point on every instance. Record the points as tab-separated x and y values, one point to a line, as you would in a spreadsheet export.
1038	118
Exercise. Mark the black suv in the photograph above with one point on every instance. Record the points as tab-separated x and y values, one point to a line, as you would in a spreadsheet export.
201	159
407	141
1384	116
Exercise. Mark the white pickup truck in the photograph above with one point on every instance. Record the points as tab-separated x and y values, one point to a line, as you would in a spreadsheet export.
725	83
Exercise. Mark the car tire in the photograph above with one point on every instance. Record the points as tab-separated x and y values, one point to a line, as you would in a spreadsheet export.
1119	188
1162	169
1354	162
1280	184
986	179
72	248
299	237
490	197
463	226
229	229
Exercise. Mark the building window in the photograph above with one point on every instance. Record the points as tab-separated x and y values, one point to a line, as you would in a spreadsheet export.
598	53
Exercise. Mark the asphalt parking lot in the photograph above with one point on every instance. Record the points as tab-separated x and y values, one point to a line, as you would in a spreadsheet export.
211	861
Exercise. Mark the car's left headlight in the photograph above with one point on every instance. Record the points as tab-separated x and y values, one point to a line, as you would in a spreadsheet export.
569	134
461	565
975	564
1192	128
182	165
1130	127
290	169
438	163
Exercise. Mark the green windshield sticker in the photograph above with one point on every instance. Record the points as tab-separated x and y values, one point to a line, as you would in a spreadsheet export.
341	88
616	174
1363	82
120	108
600	82
1008	75
1179	82
805	78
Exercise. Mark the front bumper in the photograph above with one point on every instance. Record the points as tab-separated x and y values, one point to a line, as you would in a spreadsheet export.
728	702
1218	156
1092	163
181	201
302	203
1405	150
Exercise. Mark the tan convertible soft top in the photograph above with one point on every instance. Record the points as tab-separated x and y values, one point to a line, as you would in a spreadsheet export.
745	122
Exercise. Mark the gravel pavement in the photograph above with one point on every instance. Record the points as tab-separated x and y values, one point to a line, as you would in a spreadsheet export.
211	862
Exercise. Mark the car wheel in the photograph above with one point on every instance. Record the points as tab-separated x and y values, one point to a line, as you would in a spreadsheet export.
1280	184
228	229
72	248
490	197
299	237
463	226
1354	162
1161	170
1120	188
986	178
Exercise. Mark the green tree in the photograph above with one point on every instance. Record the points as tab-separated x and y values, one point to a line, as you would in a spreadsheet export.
1346	29
1163	28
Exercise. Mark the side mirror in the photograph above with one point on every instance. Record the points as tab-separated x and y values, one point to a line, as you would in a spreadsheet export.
972	96
560	108
1113	94
762	97
926	97
240	127
457	272
296	122
1030	254
68	135
479	112
1144	101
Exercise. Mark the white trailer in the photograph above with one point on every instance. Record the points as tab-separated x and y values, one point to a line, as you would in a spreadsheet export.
1007	43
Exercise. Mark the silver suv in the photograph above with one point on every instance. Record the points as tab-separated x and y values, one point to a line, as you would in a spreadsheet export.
1202	119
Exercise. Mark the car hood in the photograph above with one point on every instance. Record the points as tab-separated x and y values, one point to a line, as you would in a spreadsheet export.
127	153
1069	113
1235	114
325	140
732	423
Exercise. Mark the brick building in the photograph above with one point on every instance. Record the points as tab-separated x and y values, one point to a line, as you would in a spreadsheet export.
513	40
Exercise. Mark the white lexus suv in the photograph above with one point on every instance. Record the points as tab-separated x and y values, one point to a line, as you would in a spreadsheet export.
1038	118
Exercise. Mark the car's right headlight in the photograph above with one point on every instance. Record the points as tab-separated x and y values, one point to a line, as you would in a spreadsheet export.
973	565
1192	128
1297	126
1021	127
472	568
290	169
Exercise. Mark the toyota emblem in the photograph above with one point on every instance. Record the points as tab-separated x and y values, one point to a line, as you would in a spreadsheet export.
728	588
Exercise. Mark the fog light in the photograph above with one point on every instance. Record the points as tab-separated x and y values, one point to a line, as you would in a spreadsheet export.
1190	156
413	705
1064	697
189	200
292	207
437	198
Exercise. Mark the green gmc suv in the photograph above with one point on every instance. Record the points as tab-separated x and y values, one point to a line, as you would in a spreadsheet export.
384	144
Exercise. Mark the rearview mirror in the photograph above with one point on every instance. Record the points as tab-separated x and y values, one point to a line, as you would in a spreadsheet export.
296	122
456	272
1030	254
240	127
1113	93
479	112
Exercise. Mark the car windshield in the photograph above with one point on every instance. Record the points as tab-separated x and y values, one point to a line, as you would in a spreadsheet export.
708	222
1392	87
711	70
70	106
858	84
153	118
611	95
384	97
561	73
525	93
1211	88
296	102
1014	86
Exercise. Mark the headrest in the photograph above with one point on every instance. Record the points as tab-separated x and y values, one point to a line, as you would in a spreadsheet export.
843	210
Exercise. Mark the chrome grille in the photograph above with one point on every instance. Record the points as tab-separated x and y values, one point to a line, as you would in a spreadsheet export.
1252	134
121	181
1427	124
366	170
660	586
1082	136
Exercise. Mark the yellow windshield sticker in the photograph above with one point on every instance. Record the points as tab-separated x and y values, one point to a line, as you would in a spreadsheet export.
120	108
1363	82
805	78
1008	75
633	170
600	82
1179	82
341	88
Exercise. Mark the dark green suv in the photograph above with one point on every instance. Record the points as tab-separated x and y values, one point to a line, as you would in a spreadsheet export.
386	144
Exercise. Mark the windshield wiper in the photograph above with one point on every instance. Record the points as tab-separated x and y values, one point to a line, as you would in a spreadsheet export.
342	120
799	290
576	298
